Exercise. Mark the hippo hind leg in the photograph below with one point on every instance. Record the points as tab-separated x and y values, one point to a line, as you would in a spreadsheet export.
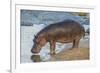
76	43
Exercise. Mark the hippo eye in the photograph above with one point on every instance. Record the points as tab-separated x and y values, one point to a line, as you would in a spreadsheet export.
37	41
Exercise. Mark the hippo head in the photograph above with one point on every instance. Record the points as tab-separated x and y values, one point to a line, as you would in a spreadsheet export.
39	41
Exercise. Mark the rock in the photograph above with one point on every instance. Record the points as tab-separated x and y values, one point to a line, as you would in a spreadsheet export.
29	17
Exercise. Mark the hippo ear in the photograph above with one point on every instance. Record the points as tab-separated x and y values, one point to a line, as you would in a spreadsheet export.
34	36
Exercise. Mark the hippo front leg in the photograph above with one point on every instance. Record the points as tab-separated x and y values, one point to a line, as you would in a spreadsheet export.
52	47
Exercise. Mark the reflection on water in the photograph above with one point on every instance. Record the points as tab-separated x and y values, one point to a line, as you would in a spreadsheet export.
41	58
36	58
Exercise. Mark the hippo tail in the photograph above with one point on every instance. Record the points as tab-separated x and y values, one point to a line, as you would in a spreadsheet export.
83	33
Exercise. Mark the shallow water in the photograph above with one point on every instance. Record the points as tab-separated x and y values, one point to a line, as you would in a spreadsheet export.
27	35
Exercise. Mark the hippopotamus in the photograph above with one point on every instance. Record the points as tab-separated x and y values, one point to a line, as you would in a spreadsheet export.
63	32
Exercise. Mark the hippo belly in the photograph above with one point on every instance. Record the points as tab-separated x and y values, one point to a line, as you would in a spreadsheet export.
64	40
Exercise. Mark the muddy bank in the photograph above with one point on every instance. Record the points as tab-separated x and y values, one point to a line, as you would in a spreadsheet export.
74	54
81	53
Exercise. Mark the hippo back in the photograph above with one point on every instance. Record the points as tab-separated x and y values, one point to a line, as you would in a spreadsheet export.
68	28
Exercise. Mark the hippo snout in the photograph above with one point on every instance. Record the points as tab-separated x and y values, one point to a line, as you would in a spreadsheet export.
34	51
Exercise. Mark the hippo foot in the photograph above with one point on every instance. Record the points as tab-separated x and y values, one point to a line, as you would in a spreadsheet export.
70	48
73	48
52	53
